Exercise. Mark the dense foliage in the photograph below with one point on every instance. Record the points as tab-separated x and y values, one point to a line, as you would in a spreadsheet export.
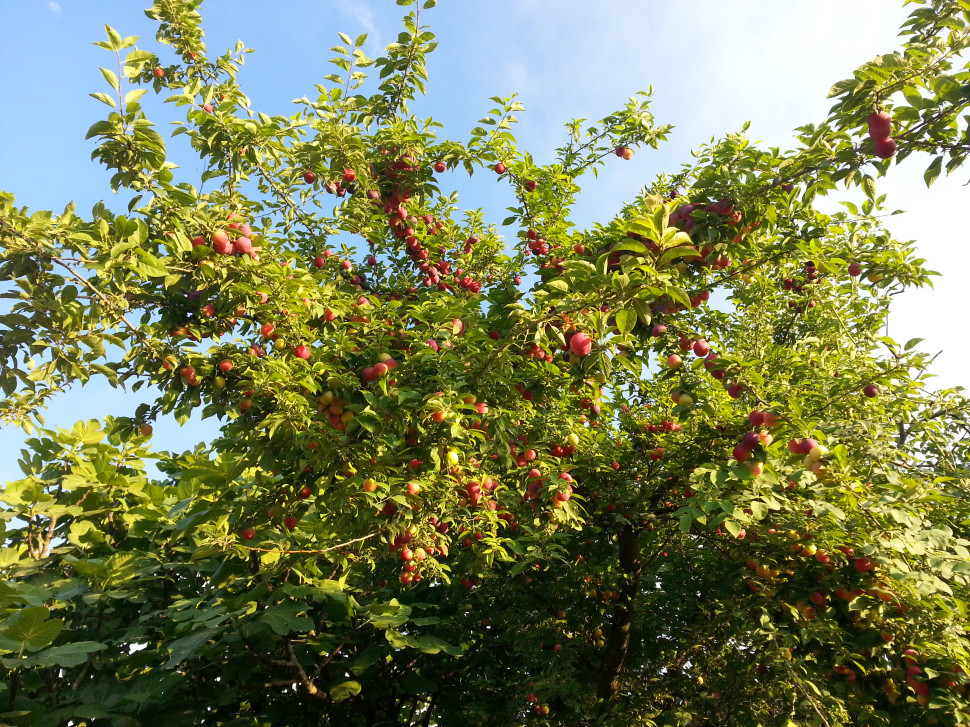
665	470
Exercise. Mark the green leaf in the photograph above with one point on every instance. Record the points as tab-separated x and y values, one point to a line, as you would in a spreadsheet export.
66	655
674	238
345	690
150	266
841	87
111	77
140	235
643	311
119	248
392	614
367	658
369	420
634	367
138	57
629	246
676	252
88	432
758	509
101	128
626	319
413	683
114	37
678	295
187	646
285	618
105	99
81	528
32	628
425	644
912	342
933	171
869	186
645	226
135	94
18	717
685	522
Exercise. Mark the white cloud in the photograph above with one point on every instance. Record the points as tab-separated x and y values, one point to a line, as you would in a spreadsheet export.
54	7
356	10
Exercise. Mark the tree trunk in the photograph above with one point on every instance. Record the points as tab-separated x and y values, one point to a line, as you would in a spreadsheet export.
618	641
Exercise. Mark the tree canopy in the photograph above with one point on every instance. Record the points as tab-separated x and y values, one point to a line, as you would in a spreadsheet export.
664	470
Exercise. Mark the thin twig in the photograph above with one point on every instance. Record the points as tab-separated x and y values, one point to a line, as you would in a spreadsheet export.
285	199
82	675
323	550
808	696
323	664
97	293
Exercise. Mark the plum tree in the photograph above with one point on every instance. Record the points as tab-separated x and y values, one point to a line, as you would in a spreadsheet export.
456	501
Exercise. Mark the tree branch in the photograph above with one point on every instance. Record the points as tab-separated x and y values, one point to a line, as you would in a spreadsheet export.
305	680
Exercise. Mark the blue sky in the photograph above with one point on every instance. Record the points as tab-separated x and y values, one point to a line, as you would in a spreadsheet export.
713	65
